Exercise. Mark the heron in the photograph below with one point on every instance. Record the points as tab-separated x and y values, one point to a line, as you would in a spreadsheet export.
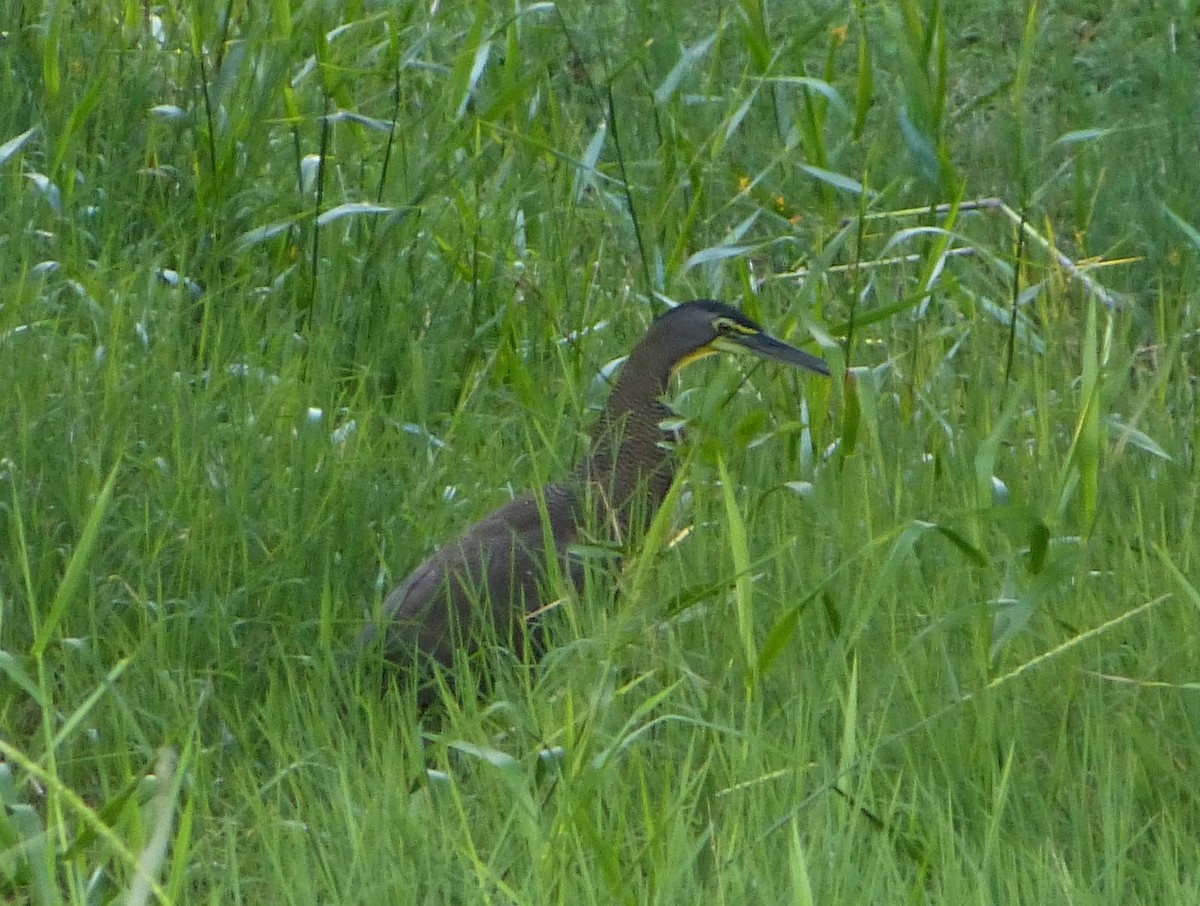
488	582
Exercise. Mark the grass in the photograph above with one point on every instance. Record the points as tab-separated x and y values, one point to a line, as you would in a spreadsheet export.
293	294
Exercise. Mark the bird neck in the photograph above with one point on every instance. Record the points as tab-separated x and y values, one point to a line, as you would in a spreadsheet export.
644	380
629	466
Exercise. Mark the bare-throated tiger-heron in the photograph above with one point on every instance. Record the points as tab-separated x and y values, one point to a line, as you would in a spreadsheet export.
487	582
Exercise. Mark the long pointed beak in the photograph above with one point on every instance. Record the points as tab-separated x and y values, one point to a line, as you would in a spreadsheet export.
766	346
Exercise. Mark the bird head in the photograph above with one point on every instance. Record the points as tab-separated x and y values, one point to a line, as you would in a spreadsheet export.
694	330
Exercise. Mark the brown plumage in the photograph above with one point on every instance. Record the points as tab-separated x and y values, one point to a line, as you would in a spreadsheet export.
483	585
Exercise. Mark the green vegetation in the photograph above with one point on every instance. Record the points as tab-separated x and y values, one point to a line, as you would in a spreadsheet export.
295	291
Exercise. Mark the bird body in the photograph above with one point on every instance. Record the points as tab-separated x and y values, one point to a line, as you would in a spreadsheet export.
489	580
502	558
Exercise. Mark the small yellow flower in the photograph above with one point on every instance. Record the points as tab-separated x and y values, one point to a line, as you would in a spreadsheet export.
743	183
840	33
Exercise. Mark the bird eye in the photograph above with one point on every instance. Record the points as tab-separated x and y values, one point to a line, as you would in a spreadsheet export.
727	327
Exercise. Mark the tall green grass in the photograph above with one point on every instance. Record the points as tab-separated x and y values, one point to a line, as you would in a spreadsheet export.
294	292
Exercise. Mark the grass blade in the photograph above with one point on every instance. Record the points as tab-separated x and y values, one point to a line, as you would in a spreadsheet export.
73	578
739	549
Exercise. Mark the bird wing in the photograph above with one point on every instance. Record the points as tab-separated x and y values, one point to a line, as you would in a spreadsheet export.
484	581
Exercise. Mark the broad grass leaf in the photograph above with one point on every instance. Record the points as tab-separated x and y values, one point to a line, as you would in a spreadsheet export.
354	209
13	145
687	60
